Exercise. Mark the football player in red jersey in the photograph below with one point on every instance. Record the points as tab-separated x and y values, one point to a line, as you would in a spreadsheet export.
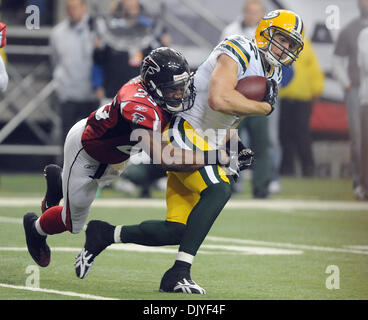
4	78
97	148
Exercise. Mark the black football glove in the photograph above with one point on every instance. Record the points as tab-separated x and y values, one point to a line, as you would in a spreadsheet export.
245	158
271	93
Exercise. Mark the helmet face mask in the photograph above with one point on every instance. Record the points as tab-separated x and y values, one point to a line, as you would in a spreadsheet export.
166	76
287	55
284	25
177	95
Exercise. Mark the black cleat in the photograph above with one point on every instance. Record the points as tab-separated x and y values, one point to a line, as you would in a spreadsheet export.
36	244
179	282
54	191
99	235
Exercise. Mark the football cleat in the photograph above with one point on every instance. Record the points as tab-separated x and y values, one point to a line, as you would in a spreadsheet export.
96	234
83	263
179	282
54	191
36	244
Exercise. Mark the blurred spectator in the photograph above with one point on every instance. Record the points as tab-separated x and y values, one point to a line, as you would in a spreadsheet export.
246	24
274	149
3	74
297	100
72	59
125	37
253	129
13	11
346	49
274	130
363	66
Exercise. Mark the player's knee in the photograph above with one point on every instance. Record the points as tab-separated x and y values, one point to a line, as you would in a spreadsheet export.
75	230
176	230
77	225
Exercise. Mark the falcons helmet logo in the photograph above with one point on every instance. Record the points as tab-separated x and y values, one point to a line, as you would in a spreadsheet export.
149	66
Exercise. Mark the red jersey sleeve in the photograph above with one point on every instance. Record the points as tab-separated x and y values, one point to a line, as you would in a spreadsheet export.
143	115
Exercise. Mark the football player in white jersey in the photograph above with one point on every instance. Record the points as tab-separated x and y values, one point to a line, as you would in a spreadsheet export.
195	199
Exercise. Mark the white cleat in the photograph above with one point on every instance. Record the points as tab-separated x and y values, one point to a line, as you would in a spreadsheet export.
83	263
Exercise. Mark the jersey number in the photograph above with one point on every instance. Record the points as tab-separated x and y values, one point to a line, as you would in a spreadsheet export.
103	112
144	94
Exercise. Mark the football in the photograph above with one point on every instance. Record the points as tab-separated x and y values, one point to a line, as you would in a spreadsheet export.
253	87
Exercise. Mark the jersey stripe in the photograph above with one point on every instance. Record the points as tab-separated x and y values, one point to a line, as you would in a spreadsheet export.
156	122
238	53
211	174
205	176
178	136
197	140
240	49
183	135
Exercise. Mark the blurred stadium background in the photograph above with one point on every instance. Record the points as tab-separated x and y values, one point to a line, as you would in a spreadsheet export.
30	127
30	124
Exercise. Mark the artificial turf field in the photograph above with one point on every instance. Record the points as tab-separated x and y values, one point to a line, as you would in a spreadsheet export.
309	243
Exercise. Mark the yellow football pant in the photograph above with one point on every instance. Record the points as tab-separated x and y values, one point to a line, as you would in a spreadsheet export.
184	188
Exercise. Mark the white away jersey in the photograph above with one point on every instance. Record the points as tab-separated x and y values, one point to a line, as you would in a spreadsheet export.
249	61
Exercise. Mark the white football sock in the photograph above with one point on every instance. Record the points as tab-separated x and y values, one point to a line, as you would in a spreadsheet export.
186	257
117	232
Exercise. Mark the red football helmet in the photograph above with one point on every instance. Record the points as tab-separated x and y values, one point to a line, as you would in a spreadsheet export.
2	34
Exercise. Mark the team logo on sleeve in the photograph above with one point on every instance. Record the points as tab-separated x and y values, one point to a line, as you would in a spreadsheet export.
140	108
149	66
137	117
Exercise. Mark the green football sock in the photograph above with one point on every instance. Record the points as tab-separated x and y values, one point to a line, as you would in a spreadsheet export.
153	233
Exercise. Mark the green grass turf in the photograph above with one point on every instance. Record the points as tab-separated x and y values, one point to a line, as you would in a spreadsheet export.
16	185
136	275
226	274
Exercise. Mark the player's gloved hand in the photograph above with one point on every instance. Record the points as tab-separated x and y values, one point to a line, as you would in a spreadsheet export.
271	93
233	167
241	158
245	158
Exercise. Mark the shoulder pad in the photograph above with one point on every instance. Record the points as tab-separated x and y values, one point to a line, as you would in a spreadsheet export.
146	116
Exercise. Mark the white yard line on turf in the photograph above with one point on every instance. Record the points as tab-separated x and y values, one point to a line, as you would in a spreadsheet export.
357	249
211	249
63	293
346	249
278	205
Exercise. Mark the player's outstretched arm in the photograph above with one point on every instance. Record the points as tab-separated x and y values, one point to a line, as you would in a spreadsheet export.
222	94
176	159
